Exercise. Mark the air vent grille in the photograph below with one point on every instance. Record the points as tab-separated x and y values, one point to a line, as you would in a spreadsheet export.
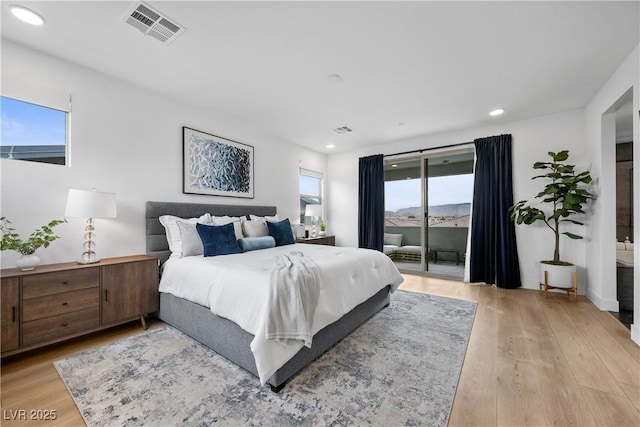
153	23
141	18
342	129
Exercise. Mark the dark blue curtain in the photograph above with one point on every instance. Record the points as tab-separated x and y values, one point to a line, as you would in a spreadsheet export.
494	255
371	203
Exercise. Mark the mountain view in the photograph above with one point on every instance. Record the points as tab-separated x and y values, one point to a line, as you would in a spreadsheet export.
450	215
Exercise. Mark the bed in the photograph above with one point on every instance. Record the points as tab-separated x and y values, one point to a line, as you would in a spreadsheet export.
227	337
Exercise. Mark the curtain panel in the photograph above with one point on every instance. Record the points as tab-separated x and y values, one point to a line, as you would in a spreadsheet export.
371	203
494	254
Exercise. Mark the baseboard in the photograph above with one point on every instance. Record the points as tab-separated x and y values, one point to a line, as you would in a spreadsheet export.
635	334
601	303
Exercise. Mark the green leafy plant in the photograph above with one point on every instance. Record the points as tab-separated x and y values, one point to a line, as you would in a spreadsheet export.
323	225
43	236
564	192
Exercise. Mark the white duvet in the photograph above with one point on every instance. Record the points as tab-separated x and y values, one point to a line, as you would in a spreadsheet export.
237	287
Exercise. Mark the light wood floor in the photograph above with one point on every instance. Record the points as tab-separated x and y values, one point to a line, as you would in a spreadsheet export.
530	362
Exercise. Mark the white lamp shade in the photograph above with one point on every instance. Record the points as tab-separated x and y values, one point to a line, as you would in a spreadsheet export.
90	204
313	210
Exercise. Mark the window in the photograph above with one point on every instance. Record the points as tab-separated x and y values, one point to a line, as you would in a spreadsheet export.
310	192
33	132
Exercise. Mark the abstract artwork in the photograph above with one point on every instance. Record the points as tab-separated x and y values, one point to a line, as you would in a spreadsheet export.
216	166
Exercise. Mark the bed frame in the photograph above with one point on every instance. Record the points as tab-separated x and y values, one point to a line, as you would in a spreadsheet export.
222	335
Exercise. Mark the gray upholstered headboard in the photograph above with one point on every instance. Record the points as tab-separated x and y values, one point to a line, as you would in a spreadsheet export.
157	244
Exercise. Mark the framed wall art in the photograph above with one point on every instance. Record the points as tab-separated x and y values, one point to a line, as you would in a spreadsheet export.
216	166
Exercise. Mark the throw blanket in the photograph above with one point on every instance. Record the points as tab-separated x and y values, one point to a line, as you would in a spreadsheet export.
293	298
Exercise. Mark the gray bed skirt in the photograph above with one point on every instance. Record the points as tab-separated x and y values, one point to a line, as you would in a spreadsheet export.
229	340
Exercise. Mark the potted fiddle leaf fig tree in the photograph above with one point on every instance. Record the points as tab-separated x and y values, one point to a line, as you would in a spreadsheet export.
566	196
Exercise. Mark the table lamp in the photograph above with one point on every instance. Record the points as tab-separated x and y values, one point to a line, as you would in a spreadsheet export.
313	211
90	204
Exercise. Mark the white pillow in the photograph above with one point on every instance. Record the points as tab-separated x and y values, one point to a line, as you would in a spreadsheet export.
224	220
191	241
393	239
173	232
257	228
265	218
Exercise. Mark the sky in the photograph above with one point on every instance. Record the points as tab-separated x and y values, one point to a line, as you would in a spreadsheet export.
443	190
30	124
309	185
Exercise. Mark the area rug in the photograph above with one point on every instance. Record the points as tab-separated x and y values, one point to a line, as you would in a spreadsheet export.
399	368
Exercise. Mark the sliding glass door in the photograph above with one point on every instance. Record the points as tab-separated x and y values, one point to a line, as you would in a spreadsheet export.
404	214
449	193
428	207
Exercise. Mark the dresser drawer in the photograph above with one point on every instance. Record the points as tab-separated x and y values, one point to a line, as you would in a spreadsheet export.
54	305
51	328
39	285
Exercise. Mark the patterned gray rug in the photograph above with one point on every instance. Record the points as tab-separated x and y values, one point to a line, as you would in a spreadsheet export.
399	368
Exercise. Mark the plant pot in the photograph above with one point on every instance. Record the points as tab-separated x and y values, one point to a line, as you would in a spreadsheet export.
558	276
28	262
562	277
322	233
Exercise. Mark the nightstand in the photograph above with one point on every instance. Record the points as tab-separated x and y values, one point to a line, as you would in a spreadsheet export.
56	302
320	240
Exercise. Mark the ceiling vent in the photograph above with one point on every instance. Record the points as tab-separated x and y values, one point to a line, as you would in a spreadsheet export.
341	130
153	23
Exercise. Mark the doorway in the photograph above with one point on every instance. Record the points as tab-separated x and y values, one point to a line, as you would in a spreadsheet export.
427	212
624	210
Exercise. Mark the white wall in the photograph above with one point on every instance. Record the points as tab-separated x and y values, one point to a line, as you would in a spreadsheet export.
600	140
532	139
126	140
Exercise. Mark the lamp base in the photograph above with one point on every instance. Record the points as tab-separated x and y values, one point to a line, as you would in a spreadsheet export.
90	261
89	255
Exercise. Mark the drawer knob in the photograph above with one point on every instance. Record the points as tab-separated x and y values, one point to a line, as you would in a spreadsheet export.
64	324
64	303
65	282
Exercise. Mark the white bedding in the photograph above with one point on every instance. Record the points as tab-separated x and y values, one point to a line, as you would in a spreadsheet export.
237	287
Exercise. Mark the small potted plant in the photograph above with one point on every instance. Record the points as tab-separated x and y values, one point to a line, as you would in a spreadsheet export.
41	237
323	228
566	195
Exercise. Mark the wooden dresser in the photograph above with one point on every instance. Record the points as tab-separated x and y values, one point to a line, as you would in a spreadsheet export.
61	301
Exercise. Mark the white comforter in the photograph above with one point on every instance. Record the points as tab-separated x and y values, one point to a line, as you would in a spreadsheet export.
237	287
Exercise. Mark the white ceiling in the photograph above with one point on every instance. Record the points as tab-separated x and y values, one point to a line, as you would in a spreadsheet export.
434	66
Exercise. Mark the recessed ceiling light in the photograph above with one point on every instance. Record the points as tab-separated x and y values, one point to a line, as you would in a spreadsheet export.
331	146
334	78
26	15
401	124
394	165
496	112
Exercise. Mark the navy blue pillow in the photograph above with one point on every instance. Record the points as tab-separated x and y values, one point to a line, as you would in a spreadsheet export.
218	239
281	232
